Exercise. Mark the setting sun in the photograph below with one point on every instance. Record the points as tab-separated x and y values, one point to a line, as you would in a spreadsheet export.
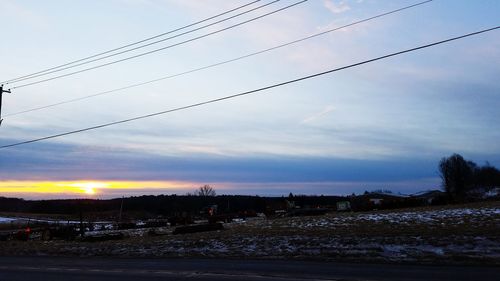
89	190
89	187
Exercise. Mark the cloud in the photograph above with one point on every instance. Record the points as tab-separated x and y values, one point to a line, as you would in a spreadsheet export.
318	115
21	14
336	8
70	162
266	175
423	105
330	187
202	7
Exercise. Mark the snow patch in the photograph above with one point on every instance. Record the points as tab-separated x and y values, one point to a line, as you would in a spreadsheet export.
6	220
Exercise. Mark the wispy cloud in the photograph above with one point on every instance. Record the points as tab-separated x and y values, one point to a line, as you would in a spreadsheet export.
15	11
336	7
318	115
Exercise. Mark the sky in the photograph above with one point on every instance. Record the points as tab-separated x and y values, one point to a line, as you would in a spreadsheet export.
383	125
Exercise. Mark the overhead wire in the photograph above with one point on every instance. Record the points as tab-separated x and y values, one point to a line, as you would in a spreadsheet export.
161	49
219	63
132	44
73	65
252	91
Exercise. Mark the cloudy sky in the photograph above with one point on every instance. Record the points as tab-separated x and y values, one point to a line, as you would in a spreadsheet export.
380	125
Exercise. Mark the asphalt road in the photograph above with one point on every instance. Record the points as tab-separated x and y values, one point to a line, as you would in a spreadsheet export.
110	269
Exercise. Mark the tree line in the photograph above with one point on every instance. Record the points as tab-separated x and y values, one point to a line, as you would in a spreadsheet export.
461	178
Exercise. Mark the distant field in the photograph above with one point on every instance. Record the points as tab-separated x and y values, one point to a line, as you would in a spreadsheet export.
456	234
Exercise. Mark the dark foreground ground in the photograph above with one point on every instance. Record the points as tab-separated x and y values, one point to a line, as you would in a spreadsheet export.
58	268
466	235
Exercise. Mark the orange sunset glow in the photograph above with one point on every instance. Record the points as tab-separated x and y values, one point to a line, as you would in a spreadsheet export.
87	187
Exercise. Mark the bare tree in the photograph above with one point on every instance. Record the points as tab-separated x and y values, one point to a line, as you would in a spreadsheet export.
205	190
456	174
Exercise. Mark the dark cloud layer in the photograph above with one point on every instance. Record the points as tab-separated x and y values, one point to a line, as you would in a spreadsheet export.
67	162
234	175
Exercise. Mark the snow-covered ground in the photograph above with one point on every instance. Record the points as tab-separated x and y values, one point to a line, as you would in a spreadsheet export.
443	234
26	219
6	220
430	217
48	221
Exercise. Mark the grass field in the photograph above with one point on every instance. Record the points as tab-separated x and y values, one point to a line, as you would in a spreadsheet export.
458	234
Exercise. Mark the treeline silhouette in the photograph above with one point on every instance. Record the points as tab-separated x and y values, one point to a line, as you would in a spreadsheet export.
162	205
463	179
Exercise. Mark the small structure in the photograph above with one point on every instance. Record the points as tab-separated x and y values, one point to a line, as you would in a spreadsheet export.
210	210
290	204
376	201
494	192
343	206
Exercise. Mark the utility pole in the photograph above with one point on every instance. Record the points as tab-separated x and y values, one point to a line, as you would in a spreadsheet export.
82	230
1	94
121	210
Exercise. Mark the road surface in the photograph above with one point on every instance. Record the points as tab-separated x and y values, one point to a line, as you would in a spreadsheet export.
111	269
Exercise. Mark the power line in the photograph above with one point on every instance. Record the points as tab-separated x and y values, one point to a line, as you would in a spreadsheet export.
132	44
161	49
73	65
251	91
216	64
